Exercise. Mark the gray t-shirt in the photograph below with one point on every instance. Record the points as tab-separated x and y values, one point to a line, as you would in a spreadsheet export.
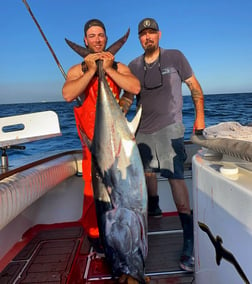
161	89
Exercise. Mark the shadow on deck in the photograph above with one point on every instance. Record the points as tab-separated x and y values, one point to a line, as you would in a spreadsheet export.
63	255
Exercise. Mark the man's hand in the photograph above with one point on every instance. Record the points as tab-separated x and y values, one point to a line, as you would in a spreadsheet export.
107	59
198	131
125	103
90	61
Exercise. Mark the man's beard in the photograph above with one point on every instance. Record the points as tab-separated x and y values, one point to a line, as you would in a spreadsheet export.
150	48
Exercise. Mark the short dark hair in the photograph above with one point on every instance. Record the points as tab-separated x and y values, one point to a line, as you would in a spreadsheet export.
92	23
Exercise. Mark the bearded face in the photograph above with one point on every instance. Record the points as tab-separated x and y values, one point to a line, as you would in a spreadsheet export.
149	40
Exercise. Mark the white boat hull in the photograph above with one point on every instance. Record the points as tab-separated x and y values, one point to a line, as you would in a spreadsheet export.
50	191
222	201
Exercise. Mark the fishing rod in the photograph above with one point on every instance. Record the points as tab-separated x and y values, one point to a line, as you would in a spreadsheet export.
48	44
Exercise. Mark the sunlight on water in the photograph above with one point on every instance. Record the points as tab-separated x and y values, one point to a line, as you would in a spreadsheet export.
218	108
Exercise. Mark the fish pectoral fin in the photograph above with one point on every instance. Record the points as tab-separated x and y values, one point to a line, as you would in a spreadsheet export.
133	125
87	141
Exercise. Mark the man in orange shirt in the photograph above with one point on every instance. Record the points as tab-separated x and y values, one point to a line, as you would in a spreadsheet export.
82	83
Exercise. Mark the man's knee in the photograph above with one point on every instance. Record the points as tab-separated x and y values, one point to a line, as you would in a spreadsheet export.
150	174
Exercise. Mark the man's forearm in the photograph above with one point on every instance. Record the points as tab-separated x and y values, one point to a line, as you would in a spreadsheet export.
198	100
125	102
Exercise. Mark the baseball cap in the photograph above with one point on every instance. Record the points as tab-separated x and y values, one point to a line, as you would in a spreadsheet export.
147	23
92	23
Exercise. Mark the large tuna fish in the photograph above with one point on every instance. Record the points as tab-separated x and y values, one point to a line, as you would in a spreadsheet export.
119	186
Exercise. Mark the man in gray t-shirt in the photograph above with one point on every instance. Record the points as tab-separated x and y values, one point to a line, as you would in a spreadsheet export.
161	92
160	136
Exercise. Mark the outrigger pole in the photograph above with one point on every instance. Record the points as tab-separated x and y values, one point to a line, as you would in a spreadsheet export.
48	44
45	39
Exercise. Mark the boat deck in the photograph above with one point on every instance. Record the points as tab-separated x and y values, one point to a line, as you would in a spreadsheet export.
63	255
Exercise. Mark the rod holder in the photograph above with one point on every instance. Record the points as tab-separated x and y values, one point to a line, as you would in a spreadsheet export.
4	159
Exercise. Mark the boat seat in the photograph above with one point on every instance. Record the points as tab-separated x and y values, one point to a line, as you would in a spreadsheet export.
20	190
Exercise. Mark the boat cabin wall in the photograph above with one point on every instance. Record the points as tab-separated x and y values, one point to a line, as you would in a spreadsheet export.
49	193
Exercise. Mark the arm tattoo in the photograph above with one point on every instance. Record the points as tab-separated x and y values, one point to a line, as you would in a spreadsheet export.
198	101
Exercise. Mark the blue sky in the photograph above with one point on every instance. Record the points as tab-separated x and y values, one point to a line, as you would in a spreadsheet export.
215	36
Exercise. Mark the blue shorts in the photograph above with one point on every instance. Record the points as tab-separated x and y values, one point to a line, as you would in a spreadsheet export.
164	151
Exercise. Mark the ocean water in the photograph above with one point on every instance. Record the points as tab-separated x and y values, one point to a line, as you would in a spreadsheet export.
218	108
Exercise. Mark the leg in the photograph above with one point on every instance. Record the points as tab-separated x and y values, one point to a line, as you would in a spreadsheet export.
147	149
153	198
89	217
151	182
181	199
180	195
171	154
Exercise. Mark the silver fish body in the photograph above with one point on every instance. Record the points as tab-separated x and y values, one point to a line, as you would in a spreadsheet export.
119	186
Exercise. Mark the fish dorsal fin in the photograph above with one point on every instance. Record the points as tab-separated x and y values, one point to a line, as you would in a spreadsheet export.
133	125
